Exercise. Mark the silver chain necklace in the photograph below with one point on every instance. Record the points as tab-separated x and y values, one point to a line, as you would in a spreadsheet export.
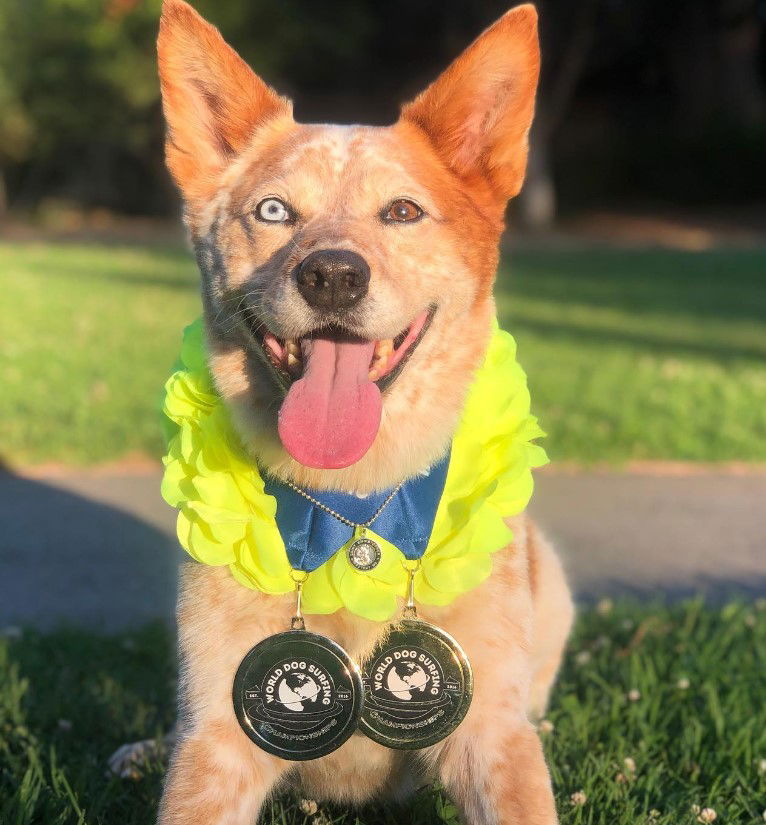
363	553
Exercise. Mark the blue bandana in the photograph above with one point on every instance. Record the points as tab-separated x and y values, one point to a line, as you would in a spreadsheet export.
312	536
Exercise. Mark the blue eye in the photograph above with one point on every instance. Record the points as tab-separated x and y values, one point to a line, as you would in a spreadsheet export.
272	210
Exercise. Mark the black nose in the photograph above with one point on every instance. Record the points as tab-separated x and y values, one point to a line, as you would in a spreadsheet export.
333	278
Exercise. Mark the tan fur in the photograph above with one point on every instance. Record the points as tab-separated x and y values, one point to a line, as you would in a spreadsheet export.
492	764
459	150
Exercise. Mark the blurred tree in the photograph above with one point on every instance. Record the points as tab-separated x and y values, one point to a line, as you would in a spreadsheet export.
80	80
566	38
648	98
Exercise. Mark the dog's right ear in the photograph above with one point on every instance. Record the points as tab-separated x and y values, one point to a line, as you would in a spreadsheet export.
213	101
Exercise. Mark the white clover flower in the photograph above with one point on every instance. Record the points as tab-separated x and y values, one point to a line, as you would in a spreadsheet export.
683	683
696	809
308	806
546	726
578	798
707	815
630	764
583	657
634	695
604	607
762	766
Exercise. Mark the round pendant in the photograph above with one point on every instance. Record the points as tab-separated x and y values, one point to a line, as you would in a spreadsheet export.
298	695
417	686
364	554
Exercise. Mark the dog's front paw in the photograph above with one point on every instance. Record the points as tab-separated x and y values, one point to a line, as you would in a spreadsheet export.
129	761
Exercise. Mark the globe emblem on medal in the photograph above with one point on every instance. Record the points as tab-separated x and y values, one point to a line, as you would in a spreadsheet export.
407	681
364	554
298	692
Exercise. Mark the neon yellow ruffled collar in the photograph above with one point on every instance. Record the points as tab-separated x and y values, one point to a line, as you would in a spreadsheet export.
226	517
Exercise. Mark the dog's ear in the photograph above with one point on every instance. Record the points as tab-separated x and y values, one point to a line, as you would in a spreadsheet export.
213	101
478	112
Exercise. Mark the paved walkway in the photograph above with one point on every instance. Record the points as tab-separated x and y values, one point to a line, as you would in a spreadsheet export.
100	551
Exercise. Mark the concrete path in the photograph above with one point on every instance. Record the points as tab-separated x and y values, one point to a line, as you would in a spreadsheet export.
100	550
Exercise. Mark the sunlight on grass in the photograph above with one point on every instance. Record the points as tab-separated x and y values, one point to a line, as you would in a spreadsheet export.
658	709
630	354
89	336
642	354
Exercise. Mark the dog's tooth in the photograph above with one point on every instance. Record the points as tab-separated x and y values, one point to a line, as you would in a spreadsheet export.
292	348
293	363
384	348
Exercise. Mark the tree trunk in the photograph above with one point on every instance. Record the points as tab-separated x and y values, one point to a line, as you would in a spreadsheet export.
537	201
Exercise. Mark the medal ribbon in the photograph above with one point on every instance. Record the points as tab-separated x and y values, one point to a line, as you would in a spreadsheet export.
312	536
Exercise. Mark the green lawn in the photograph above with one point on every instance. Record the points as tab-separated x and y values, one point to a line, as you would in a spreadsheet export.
643	355
89	334
679	691
631	355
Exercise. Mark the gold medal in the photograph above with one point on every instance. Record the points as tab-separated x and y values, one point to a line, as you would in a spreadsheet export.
298	695
418	684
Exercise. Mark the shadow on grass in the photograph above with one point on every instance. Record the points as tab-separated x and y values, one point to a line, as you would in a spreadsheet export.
184	282
74	697
719	284
666	345
69	698
64	557
714	590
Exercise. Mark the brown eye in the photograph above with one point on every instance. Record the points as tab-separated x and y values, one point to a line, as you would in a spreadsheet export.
402	210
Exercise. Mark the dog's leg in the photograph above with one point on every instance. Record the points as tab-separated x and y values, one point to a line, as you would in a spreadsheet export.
492	765
499	779
553	614
217	777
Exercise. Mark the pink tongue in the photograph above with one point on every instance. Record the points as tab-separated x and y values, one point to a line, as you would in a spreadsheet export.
331	416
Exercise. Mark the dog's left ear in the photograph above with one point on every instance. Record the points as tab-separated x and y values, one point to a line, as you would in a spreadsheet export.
478	112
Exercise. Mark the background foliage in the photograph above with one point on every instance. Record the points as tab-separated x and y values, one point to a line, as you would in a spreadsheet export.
654	99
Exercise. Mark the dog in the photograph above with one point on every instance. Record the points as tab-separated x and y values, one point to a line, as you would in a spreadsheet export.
368	232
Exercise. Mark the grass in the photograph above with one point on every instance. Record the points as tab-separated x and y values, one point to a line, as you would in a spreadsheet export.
89	334
643	355
68	699
631	354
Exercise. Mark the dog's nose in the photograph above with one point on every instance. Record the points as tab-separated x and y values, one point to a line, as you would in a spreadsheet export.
333	279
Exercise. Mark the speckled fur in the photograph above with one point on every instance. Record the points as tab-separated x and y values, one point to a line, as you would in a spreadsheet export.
459	150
